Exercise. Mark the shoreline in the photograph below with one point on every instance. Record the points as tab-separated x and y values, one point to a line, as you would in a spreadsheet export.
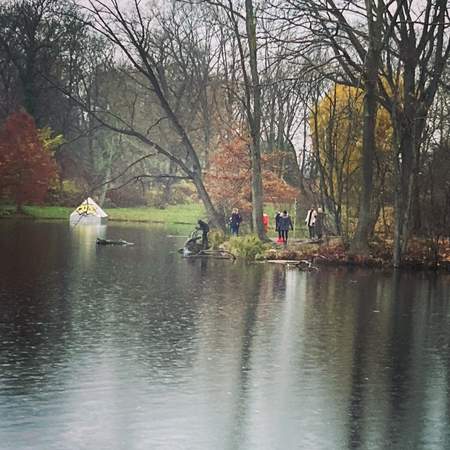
313	254
330	251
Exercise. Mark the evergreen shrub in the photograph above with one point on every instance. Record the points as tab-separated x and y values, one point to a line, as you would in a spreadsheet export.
249	247
216	238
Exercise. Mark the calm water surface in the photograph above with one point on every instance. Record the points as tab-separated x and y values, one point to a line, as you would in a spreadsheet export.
137	348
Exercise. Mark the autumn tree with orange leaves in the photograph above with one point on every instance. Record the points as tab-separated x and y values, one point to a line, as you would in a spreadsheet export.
228	179
26	167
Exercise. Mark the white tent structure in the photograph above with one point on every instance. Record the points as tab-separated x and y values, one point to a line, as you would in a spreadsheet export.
88	213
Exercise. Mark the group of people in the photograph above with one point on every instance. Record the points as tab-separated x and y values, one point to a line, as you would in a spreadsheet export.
314	222
283	224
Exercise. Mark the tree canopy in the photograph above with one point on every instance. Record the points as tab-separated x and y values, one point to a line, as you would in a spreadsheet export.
27	166
228	178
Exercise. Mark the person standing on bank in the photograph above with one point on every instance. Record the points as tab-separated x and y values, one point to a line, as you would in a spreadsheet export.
235	221
284	225
318	225
310	221
277	228
204	227
266	222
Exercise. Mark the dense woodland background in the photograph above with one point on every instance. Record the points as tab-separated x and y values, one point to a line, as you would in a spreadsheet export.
340	104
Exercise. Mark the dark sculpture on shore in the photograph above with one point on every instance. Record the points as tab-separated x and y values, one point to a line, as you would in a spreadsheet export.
194	247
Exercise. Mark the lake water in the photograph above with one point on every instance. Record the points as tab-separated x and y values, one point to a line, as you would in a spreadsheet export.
138	348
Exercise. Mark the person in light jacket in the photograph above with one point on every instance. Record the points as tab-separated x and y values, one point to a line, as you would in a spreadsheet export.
310	221
284	225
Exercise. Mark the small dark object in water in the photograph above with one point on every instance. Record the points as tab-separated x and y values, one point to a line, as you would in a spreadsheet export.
101	241
213	254
306	266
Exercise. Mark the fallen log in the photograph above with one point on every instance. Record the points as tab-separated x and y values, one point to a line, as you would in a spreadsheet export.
214	254
101	241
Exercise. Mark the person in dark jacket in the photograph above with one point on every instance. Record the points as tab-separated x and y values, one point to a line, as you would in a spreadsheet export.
235	221
319	223
204	227
284	225
277	229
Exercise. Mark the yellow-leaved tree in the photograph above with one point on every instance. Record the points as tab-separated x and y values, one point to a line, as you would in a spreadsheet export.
336	124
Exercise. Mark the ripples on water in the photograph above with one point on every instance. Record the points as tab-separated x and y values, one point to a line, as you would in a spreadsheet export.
136	348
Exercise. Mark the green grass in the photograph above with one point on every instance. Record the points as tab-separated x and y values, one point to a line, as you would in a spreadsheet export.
179	214
48	212
174	214
184	214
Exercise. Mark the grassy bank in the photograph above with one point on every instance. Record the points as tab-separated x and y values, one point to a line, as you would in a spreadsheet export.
179	214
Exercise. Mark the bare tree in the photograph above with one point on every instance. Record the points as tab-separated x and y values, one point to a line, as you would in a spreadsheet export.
132	33
413	66
253	108
243	25
375	11
40	39
396	53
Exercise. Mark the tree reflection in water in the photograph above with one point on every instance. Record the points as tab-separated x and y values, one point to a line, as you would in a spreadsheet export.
139	348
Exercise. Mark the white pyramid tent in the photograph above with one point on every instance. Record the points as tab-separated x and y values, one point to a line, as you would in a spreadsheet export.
88	213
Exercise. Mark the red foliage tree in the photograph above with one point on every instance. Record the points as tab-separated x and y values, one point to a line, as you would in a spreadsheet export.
26	167
228	178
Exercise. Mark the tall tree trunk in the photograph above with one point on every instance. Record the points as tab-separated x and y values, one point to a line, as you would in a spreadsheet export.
406	129
404	185
216	218
167	185
360	242
105	186
255	123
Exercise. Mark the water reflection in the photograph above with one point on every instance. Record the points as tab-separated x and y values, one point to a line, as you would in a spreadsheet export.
84	242
136	348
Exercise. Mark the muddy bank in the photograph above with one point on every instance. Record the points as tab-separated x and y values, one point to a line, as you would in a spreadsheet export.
334	252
